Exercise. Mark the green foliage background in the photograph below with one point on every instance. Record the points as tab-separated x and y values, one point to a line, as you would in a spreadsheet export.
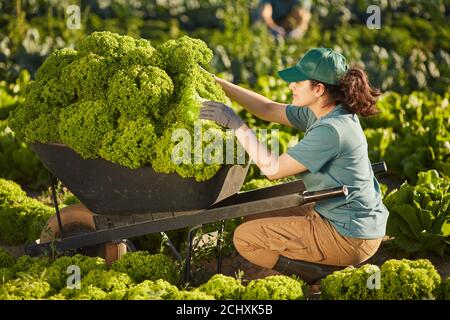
408	58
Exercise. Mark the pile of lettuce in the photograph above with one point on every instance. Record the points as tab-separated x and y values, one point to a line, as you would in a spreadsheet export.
277	287
121	99
29	278
141	276
395	280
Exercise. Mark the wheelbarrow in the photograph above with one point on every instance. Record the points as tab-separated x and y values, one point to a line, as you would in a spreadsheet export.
118	203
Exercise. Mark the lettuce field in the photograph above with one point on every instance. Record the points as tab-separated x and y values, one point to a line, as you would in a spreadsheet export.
113	80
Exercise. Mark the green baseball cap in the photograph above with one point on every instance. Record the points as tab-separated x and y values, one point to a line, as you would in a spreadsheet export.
321	64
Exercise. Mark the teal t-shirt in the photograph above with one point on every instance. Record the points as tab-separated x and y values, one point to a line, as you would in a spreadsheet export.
334	149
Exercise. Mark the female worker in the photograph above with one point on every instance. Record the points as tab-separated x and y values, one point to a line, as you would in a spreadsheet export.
328	96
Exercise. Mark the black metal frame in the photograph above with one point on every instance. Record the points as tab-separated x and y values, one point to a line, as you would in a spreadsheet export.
261	200
55	203
190	236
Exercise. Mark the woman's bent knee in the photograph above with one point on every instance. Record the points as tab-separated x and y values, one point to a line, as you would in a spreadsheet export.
247	245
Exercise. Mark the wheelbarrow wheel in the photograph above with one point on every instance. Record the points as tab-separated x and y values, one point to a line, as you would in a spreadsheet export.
77	219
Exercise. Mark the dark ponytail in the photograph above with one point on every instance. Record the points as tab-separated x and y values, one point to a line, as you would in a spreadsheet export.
355	92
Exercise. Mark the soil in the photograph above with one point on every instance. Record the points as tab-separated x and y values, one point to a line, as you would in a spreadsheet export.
15	251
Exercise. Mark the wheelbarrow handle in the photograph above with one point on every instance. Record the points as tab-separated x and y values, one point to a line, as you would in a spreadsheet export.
313	196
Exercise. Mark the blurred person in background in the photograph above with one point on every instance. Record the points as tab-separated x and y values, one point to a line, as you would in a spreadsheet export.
286	18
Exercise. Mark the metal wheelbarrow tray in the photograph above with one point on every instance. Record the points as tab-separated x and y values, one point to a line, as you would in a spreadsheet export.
108	188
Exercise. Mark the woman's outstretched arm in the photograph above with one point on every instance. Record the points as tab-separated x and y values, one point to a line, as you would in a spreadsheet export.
255	103
271	165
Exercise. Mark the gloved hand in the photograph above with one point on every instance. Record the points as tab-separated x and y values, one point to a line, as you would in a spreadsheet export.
220	113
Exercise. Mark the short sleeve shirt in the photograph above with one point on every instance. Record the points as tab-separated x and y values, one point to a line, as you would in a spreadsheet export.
334	149
282	8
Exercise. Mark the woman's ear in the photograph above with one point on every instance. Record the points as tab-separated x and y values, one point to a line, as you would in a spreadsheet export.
319	90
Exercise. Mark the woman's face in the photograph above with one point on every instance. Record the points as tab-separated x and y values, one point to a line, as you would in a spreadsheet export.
303	94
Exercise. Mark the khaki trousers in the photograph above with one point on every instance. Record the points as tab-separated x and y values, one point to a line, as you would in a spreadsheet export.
298	233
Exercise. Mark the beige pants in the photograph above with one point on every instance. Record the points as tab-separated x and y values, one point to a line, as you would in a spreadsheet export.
298	233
